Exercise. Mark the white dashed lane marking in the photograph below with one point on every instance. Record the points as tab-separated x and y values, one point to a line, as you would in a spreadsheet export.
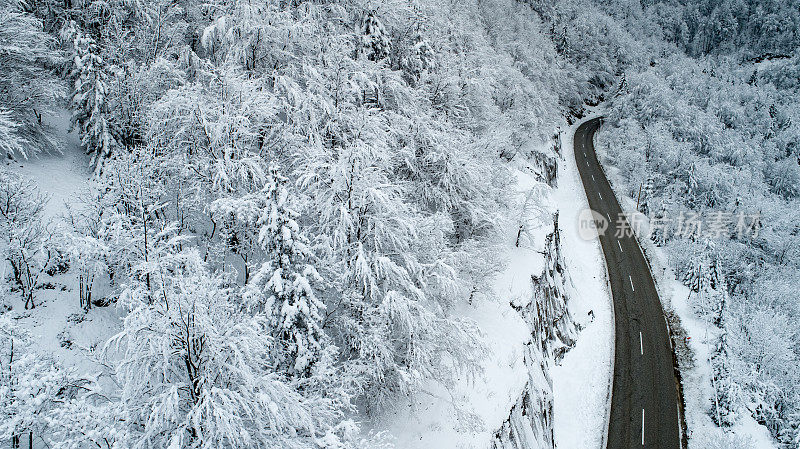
641	344
642	427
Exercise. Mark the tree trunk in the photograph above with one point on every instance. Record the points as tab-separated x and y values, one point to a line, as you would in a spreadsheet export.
80	290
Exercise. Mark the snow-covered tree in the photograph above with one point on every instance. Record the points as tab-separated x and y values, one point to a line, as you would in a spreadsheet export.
419	58
196	371
727	393
211	139
90	89
704	279
29	89
32	385
10	141
256	36
287	278
28	243
97	238
375	41
784	177
131	211
237	220
391	327
87	255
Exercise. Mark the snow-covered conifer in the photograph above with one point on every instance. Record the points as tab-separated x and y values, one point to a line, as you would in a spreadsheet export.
90	89
287	278
375	41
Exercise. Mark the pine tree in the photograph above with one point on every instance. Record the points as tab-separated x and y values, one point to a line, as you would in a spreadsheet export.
90	116
725	390
417	59
286	279
374	39
707	284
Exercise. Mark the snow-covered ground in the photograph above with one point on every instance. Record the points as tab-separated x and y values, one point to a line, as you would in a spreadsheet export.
467	414
58	323
582	382
62	176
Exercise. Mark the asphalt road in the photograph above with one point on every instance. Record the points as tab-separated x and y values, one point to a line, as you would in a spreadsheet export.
644	401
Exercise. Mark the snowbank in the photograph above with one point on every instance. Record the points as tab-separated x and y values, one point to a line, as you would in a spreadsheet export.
582	382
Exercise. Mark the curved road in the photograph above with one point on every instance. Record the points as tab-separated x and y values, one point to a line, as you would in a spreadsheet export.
644	401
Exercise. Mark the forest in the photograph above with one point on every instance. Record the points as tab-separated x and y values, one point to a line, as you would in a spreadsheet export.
289	198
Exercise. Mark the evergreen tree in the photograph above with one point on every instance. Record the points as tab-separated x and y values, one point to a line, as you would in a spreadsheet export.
90	116
286	278
726	392
374	38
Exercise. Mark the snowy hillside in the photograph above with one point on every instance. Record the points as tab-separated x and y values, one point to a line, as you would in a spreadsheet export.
313	224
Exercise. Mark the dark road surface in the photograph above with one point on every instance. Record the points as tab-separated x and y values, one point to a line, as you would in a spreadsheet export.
644	401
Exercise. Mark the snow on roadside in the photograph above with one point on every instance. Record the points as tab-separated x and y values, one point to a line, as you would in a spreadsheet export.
467	414
582	382
697	386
